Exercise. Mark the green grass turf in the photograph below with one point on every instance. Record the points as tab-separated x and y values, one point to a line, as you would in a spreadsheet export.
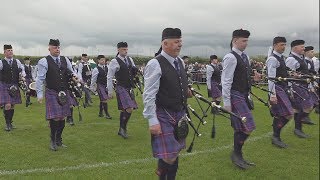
95	151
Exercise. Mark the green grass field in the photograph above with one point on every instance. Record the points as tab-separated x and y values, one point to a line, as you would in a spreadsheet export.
95	151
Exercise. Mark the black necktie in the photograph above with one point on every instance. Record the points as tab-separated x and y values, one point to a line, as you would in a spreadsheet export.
244	58
176	65
57	62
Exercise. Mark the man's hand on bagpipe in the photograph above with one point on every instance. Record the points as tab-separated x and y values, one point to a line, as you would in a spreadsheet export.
75	86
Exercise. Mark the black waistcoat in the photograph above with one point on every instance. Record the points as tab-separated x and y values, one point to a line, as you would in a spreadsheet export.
27	69
241	79
102	76
216	75
173	88
124	75
10	74
281	71
57	78
303	65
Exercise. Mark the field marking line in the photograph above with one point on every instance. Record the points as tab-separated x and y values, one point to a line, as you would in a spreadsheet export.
106	164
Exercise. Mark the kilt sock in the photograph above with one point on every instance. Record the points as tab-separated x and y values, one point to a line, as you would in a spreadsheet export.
53	130
126	119
27	99
7	114
167	171
100	109
105	108
297	121
60	127
239	139
278	124
172	170
11	114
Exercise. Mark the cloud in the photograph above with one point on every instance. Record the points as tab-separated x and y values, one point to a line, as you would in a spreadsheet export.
96	26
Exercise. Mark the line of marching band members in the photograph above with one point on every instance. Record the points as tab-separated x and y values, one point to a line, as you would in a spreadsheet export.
166	91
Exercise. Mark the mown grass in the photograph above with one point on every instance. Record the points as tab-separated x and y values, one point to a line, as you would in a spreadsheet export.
94	142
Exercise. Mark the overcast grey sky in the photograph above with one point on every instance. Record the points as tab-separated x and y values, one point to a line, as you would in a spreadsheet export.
95	27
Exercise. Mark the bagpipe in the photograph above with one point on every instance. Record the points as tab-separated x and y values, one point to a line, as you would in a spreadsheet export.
136	82
76	90
190	81
27	91
289	79
211	104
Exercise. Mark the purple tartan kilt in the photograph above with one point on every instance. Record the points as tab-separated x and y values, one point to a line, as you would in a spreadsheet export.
240	107
215	91
299	103
314	98
53	109
124	99
283	107
165	145
72	100
102	92
5	98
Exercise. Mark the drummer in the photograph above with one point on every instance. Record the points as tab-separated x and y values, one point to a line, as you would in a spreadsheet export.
29	79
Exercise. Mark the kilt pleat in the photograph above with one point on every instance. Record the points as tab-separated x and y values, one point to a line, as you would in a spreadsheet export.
240	107
283	106
53	109
165	145
102	92
5	98
124	99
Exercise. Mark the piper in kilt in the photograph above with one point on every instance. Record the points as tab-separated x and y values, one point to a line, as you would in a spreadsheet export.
213	81
99	77
165	100
302	107
314	91
84	75
281	107
123	68
236	85
73	100
55	70
29	79
10	71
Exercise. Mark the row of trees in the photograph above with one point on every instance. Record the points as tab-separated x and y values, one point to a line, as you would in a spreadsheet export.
139	60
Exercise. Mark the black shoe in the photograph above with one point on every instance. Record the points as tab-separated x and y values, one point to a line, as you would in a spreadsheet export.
248	163
53	146
100	115
300	134
238	161
71	122
108	117
12	126
307	120
277	142
122	132
60	144
7	128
